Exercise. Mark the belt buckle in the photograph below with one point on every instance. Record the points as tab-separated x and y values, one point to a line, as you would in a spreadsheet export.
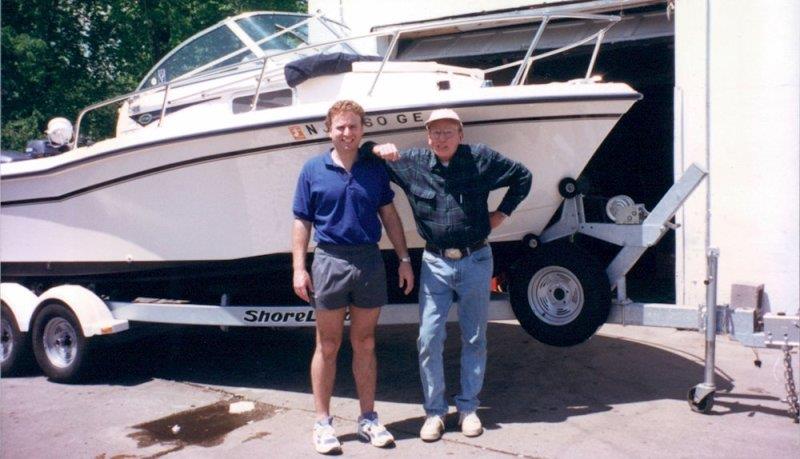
453	254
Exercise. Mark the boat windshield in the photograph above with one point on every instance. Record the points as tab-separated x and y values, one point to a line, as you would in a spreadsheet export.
242	39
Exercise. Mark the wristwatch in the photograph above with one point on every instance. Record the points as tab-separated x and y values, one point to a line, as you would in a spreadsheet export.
405	260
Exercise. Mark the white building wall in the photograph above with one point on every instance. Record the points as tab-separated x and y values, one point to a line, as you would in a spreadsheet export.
750	206
752	67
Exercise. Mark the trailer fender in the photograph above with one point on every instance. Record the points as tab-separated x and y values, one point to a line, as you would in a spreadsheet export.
92	312
21	301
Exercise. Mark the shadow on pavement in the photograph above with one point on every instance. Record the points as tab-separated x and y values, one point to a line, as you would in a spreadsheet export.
525	381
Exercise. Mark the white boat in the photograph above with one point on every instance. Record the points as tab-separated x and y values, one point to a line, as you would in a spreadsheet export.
198	181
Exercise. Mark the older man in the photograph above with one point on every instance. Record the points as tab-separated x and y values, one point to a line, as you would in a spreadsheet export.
343	193
448	186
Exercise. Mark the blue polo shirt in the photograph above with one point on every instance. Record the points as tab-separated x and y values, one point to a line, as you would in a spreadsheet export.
343	206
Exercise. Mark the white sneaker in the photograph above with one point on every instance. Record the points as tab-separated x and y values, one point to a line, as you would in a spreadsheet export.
325	441
470	424
432	429
374	432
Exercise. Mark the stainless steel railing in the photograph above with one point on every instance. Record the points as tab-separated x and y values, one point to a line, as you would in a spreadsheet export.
525	64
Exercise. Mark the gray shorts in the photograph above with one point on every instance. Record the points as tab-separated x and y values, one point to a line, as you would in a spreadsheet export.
346	275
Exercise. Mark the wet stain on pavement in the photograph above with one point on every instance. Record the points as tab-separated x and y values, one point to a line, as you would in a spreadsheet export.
204	426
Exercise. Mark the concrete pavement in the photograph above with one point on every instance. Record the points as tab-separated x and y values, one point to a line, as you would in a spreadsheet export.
621	394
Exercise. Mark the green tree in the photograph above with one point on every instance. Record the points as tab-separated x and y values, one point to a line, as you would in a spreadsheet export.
59	56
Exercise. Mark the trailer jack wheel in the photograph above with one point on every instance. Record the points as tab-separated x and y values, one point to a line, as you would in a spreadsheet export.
701	399
14	346
559	294
58	343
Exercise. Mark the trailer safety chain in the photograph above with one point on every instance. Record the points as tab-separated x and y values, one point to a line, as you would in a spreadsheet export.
791	390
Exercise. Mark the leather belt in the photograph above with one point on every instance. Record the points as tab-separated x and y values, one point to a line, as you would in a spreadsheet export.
455	253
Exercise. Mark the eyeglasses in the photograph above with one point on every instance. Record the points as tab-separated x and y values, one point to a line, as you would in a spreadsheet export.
440	134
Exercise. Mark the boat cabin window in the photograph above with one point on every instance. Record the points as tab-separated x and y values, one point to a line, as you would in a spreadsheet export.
264	25
216	43
321	30
273	99
247	38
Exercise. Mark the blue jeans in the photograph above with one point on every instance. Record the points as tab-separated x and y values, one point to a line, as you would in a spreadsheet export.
470	278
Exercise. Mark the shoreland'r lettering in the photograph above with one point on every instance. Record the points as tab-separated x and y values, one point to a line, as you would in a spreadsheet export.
266	316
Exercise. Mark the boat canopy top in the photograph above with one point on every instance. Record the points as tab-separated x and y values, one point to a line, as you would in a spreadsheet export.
245	38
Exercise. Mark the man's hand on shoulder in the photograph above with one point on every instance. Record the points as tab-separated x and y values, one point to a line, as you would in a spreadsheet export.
386	151
496	218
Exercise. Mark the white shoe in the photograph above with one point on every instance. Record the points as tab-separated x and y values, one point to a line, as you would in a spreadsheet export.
374	432
325	441
470	424
432	429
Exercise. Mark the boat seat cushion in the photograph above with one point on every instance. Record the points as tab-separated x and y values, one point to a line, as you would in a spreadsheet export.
305	68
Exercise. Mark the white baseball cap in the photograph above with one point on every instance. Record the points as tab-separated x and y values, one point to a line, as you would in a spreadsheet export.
443	114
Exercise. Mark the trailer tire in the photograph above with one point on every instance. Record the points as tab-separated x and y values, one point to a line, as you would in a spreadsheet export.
559	294
15	345
58	343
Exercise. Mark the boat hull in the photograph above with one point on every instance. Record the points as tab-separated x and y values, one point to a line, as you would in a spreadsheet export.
219	195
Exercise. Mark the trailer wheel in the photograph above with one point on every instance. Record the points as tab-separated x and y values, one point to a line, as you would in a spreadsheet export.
13	343
559	294
58	343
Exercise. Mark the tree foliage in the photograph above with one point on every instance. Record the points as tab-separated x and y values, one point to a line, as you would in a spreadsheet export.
59	56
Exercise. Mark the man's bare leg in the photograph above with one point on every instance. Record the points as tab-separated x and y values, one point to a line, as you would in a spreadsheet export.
323	365
362	339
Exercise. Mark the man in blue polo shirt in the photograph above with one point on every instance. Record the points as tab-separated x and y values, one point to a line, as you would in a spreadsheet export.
345	195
